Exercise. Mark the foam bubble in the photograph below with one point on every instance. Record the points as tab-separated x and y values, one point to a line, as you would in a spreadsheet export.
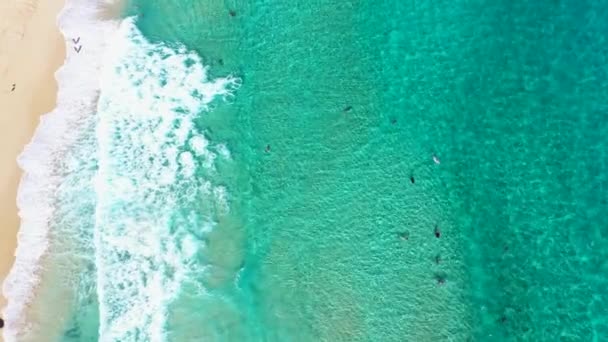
223	150
189	247
186	161
199	144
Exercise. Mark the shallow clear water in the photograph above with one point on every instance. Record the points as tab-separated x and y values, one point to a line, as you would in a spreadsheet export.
353	99
306	204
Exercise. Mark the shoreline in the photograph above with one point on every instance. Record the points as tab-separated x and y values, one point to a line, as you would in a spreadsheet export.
83	32
31	50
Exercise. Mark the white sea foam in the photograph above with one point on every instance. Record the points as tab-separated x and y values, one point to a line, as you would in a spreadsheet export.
148	144
45	163
223	150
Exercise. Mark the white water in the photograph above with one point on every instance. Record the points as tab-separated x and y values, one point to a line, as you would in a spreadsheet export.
49	163
110	202
151	188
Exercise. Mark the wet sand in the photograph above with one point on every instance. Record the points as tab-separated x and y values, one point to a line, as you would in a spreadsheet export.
31	50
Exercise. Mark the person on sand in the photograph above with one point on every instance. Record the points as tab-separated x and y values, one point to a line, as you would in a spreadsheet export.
1	323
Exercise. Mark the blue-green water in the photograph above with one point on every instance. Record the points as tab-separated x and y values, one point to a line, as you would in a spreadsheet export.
509	95
306	205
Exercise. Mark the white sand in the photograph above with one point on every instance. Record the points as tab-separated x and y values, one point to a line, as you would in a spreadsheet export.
31	50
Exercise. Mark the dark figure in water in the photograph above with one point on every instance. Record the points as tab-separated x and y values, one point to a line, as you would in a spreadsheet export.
347	109
393	121
412	179
267	149
220	61
232	13
437	232
404	235
503	319
437	259
1	323
441	279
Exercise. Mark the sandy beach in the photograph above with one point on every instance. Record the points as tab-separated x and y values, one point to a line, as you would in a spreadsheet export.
31	50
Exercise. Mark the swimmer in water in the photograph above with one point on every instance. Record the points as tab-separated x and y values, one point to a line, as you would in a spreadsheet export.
437	232
267	149
412	179
404	235
441	278
436	160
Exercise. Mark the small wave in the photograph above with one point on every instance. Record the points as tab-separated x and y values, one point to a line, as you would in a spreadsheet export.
45	165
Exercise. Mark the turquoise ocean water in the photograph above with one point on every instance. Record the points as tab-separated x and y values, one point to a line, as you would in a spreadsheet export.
265	172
